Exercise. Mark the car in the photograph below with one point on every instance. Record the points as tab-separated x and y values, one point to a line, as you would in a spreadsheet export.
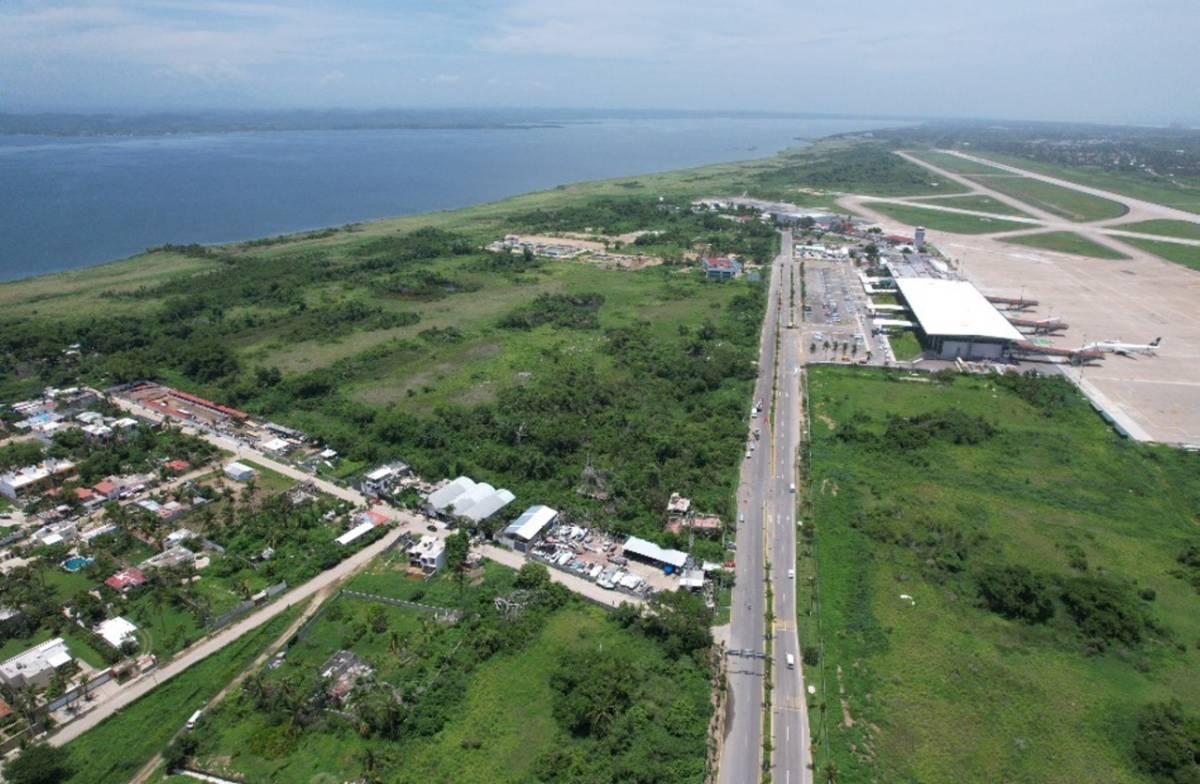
791	662
432	528
791	574
747	454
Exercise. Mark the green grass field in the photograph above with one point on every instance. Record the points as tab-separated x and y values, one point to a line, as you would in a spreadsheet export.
121	745
943	221
978	203
939	688
953	163
1164	228
1181	193
1064	202
1187	255
1066	242
905	346
502	722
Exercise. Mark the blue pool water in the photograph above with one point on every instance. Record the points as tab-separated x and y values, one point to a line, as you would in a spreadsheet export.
77	563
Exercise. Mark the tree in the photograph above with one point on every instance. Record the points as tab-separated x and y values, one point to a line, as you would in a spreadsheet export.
533	576
458	547
40	764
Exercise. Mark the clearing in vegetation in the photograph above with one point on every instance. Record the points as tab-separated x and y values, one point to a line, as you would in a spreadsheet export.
1065	202
1052	571
550	690
943	221
1164	228
1066	242
977	202
1187	255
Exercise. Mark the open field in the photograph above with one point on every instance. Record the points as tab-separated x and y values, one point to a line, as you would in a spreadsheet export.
977	202
479	705
1065	202
941	688
1181	193
942	221
1187	255
1066	242
1164	228
953	163
117	748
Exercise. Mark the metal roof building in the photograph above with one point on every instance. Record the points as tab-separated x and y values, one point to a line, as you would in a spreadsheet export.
529	526
439	500
486	506
956	319
649	551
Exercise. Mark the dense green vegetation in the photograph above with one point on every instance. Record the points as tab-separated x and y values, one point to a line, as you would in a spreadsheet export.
1066	242
943	221
1187	255
977	202
1164	228
1048	565
556	691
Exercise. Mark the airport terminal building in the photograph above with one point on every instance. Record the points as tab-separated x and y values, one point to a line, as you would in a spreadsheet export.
956	320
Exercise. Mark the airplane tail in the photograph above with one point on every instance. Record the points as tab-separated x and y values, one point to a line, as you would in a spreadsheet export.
1155	342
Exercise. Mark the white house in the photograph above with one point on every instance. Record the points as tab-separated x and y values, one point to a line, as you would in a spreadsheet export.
429	554
116	631
35	667
240	472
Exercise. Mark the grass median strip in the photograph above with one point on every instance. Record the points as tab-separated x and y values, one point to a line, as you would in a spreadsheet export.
1065	202
1187	255
1066	242
943	221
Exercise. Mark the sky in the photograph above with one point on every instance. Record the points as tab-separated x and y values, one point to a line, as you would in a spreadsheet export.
1089	60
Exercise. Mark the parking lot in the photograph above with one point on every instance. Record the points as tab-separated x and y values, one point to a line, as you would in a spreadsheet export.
837	321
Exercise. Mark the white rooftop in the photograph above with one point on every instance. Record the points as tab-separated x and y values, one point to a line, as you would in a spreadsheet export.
471	497
645	549
440	499
954	308
115	631
354	533
488	506
531	522
49	655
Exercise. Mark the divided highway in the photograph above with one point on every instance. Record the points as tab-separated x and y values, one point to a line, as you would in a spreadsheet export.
766	532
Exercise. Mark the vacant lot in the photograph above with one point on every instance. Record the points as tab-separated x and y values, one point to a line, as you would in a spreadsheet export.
471	702
930	491
942	221
1066	242
978	203
1064	202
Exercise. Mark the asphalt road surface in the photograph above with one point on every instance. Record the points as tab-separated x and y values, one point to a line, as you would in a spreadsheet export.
791	743
765	518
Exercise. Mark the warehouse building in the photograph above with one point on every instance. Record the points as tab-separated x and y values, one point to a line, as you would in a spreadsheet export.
650	553
528	528
955	320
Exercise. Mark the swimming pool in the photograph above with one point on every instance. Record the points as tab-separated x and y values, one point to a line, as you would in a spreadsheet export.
75	563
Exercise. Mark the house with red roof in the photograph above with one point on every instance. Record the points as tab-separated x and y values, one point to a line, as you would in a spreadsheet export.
178	466
106	490
126	579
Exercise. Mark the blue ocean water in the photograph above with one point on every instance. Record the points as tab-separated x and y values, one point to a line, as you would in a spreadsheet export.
68	202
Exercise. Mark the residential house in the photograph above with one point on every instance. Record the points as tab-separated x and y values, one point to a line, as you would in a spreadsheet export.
429	554
126	580
34	668
721	268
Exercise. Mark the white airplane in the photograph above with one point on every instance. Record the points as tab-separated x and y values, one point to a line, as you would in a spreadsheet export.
1125	349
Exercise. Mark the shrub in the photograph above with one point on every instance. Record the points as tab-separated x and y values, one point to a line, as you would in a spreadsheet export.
1103	610
1166	743
1017	593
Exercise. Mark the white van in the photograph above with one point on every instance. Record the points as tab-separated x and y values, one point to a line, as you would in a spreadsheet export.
791	662
195	718
793	487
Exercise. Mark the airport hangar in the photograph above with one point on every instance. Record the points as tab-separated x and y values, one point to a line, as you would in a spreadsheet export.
956	320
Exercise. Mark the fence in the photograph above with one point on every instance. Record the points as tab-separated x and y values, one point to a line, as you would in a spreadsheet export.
372	597
103	677
247	606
